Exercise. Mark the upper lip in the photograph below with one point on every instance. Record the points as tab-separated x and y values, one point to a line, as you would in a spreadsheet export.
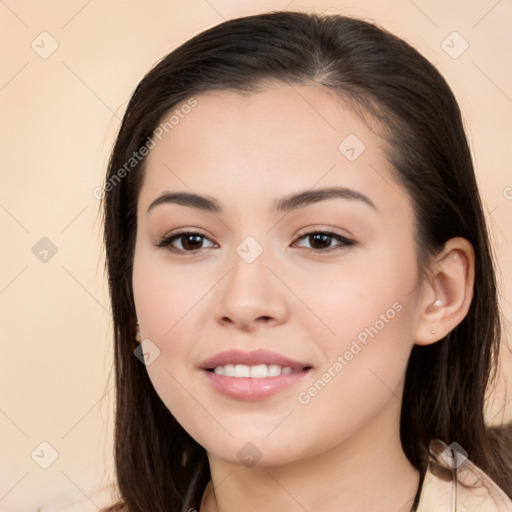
252	358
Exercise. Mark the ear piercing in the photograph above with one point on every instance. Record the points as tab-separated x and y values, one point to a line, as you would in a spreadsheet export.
436	304
137	333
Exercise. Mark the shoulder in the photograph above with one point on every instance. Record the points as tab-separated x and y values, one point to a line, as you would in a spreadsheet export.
470	489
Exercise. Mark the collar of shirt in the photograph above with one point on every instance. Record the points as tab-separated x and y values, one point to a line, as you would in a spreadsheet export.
468	488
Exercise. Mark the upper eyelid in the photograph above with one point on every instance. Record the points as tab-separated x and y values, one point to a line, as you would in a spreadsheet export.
308	231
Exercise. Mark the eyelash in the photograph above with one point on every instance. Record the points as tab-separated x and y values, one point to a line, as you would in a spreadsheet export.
166	241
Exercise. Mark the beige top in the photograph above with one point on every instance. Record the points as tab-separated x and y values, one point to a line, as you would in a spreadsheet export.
438	495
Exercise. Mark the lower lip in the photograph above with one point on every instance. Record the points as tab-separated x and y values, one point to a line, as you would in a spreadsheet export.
247	388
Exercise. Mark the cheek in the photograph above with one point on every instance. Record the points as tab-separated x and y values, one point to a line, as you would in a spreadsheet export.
167	300
368	311
372	354
164	294
363	375
362	294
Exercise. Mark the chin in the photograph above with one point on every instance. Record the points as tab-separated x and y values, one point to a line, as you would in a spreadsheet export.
254	452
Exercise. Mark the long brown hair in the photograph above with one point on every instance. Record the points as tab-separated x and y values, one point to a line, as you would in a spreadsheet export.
159	467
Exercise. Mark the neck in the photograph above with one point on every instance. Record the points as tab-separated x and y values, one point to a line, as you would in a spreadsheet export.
367	471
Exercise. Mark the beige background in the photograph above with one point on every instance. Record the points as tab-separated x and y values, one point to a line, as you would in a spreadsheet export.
59	118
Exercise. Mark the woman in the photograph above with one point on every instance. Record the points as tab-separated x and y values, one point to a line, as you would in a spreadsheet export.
259	373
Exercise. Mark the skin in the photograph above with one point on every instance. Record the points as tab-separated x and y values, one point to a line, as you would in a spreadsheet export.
341	450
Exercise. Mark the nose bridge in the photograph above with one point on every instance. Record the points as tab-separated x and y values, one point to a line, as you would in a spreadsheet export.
250	290
249	266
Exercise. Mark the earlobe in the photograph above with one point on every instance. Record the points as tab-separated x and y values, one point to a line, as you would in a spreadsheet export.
448	292
137	333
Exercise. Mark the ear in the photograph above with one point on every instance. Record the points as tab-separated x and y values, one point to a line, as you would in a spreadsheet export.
447	291
137	333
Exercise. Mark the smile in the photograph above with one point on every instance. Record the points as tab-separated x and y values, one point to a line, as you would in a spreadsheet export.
252	375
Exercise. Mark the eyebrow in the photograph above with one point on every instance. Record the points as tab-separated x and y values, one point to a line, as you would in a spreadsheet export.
285	204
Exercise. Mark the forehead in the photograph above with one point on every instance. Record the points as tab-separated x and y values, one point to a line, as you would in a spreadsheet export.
276	120
246	146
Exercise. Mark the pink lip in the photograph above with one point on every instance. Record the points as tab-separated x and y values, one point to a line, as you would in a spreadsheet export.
247	388
253	358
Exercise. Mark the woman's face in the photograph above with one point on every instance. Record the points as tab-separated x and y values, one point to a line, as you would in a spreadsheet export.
344	309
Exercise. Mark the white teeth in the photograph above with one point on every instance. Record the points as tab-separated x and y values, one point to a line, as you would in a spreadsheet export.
242	370
259	371
274	370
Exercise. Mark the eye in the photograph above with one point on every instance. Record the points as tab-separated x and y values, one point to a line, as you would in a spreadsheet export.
323	238
191	239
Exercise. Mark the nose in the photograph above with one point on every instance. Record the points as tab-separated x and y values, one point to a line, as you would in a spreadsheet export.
252	296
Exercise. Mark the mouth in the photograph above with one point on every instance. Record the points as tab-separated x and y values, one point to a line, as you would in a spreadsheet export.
252	375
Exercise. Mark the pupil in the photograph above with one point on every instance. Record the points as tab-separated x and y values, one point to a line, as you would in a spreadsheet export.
315	237
197	237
